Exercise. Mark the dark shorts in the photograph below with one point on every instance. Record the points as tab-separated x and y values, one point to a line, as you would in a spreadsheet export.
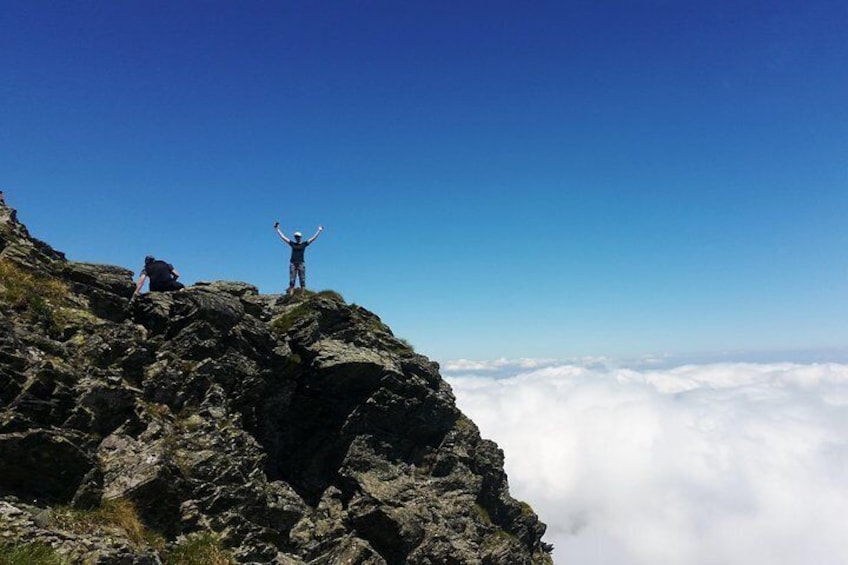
166	286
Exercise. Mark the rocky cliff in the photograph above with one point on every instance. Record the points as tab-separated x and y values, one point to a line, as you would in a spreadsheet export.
219	425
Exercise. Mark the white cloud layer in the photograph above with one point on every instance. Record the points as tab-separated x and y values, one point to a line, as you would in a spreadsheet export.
696	465
467	365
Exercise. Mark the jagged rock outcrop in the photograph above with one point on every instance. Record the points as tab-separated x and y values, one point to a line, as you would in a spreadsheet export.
294	430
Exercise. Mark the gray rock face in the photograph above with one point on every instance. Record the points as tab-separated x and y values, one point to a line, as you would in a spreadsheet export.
294	430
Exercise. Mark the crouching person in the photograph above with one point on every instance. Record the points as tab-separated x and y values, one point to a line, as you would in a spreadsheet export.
163	276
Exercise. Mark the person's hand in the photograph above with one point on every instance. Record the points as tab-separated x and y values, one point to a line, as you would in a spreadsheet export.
276	225
320	228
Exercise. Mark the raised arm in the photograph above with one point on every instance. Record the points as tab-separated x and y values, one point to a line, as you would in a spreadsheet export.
140	284
279	233
314	237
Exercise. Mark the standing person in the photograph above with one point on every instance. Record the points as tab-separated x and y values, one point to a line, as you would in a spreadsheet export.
163	276
297	265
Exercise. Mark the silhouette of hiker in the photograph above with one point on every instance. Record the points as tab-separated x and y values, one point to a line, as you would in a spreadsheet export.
297	265
163	277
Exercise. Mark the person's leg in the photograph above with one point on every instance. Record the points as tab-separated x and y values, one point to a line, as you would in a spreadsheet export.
292	274
301	273
171	286
166	286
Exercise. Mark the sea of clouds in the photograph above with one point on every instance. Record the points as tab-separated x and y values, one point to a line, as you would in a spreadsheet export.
707	464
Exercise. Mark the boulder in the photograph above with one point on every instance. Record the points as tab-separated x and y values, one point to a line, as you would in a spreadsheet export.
43	464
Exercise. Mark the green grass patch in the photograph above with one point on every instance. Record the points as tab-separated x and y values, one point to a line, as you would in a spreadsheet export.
332	295
306	294
200	549
404	344
544	559
190	423
464	424
498	538
293	362
284	322
158	410
482	513
119	515
35	294
33	553
374	324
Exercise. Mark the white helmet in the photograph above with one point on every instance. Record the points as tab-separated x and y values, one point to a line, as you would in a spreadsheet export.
298	234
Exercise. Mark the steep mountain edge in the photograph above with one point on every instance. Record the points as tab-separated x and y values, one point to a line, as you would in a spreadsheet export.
294	430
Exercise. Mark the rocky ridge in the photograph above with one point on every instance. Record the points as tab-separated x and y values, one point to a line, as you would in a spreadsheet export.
288	431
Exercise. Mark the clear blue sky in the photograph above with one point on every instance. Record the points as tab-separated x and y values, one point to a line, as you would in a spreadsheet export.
518	179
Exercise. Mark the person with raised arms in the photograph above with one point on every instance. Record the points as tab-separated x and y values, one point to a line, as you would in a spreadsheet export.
297	263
